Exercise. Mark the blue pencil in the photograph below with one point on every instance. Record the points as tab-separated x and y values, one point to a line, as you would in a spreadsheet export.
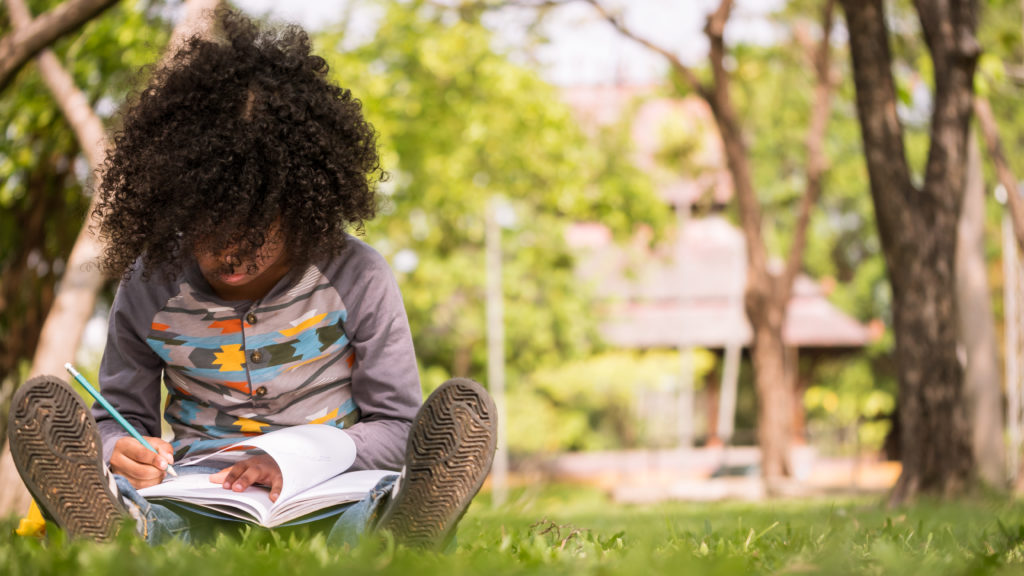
113	412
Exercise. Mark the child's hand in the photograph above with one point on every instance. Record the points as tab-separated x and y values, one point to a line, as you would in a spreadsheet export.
136	463
260	469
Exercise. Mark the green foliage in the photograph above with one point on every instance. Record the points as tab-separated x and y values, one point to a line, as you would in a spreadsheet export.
1000	30
460	124
44	179
847	401
573	530
999	76
774	88
592	404
103	58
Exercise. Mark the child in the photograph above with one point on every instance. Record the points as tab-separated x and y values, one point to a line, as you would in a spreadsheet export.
224	205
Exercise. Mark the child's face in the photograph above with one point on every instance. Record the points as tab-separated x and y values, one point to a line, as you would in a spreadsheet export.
234	279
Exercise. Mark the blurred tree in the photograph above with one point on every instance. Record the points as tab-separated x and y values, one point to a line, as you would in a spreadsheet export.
44	176
999	84
114	44
977	338
1000	36
592	404
46	172
459	124
843	241
774	91
767	292
918	226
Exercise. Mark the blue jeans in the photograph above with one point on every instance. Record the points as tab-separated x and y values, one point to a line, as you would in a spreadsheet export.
158	523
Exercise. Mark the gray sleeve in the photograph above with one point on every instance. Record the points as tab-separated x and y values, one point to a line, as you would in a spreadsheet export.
385	377
130	371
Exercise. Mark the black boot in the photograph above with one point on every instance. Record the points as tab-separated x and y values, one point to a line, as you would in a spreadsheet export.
449	453
57	449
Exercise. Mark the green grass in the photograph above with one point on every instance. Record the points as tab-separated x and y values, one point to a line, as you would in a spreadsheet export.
572	530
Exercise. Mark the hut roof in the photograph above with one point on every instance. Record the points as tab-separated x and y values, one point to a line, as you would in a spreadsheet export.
689	292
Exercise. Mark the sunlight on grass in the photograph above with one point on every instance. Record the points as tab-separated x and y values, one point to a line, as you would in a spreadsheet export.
571	529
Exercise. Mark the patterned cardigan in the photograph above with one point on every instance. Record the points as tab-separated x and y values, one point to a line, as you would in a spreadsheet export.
330	343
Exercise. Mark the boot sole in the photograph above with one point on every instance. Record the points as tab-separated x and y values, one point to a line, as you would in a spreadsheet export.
57	449
449	453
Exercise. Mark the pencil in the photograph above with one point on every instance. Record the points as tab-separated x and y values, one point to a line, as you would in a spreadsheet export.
113	412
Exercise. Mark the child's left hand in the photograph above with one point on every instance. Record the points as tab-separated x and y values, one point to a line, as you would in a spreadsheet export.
260	469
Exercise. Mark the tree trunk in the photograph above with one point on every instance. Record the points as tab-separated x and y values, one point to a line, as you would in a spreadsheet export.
713	399
775	403
983	385
76	297
937	456
918	230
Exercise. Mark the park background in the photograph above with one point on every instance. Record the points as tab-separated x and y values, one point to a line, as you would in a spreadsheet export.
570	224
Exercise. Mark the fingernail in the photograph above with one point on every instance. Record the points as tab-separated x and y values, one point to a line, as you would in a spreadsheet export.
163	465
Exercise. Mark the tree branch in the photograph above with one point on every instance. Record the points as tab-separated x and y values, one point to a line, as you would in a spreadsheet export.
876	106
715	27
673	60
720	101
949	31
816	161
73	103
715	31
736	154
21	45
198	20
990	131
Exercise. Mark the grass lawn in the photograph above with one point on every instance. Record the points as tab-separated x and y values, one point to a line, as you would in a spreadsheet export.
573	530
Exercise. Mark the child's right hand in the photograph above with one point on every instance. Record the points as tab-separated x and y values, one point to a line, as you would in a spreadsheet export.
136	463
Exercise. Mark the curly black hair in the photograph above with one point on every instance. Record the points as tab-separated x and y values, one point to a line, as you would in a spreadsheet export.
231	135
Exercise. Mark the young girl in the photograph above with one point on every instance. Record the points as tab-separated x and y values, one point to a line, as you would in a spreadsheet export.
224	206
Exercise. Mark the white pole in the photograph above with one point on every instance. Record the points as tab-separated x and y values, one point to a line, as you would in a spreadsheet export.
496	349
1011	324
684	398
733	352
684	394
727	396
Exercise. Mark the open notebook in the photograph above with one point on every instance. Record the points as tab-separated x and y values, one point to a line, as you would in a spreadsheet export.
313	459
